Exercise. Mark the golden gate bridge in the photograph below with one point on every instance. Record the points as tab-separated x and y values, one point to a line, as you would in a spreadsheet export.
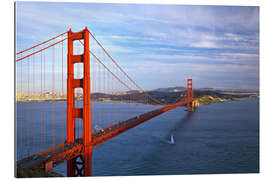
73	68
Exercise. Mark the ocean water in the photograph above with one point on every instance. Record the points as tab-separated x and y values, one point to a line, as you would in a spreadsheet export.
215	138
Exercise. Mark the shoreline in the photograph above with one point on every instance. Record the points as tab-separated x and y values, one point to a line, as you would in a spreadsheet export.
204	100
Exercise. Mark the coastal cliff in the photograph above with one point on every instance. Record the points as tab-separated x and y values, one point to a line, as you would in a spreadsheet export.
210	99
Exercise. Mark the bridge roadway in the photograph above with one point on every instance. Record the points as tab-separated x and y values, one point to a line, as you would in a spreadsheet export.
68	151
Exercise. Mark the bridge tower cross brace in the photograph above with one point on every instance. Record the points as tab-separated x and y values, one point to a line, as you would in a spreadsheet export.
83	113
189	95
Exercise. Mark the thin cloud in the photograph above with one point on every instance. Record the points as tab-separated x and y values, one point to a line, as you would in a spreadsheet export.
170	40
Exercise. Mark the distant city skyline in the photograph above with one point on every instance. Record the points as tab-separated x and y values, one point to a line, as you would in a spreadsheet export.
159	46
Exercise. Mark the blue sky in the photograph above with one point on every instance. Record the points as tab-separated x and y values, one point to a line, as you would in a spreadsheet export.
159	45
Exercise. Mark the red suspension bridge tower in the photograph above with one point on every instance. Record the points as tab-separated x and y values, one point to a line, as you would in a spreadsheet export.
83	113
190	95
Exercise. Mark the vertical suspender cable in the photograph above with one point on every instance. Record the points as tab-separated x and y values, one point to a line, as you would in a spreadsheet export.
108	91
93	87
28	107
104	107
131	104
63	118
121	109
53	96
21	124
112	97
34	112
99	90
44	103
129	97
41	105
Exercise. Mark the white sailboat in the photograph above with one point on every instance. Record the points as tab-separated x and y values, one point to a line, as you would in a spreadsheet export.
172	140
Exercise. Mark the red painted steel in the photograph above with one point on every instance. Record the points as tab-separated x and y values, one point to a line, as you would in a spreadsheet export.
70	91
189	95
41	43
107	136
87	136
86	91
19	59
81	148
48	166
85	112
70	151
62	91
155	100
